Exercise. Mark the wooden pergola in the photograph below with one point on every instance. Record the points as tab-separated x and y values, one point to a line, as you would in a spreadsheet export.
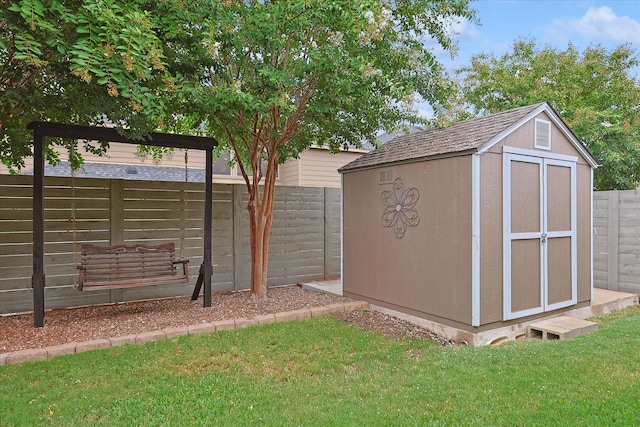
41	130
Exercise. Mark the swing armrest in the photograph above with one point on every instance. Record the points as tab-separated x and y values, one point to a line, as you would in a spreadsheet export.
81	276
185	266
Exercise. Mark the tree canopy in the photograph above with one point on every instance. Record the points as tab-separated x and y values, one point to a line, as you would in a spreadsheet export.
594	91
267	78
77	61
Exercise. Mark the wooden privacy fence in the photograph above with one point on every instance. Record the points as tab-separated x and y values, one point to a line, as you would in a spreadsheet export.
616	243
304	245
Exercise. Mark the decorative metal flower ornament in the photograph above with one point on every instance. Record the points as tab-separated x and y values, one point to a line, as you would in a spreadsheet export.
400	211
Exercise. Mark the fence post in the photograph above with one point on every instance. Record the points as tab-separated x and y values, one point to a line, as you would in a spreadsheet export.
332	224
237	235
613	230
116	223
116	226
327	232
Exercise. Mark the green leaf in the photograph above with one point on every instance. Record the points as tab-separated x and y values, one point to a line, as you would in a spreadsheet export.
593	91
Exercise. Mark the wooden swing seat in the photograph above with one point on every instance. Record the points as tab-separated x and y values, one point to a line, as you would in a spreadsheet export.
129	266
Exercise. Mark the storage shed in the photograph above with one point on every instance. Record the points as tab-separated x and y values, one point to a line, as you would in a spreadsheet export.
480	225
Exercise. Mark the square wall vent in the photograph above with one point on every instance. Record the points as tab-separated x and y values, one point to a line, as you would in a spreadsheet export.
386	177
543	134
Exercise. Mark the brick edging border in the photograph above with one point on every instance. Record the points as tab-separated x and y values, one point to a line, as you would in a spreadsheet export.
44	353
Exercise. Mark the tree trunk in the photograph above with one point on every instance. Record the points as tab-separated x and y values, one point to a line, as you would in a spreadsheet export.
260	204
259	246
260	207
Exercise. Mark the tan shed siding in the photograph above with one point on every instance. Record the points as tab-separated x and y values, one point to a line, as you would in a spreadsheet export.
523	137
491	282
428	271
319	168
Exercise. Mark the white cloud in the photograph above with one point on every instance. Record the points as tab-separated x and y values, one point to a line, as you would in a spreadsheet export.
465	29
600	23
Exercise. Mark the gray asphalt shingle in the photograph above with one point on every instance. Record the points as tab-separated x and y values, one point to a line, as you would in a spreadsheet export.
460	137
120	171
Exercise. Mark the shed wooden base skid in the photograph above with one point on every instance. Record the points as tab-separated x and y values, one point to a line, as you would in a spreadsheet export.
604	302
560	328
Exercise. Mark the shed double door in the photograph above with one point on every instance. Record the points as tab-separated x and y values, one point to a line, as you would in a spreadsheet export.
540	248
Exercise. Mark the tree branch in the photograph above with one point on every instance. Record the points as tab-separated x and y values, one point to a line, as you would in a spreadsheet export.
236	152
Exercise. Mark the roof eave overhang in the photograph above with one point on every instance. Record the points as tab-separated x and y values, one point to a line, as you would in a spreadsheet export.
409	161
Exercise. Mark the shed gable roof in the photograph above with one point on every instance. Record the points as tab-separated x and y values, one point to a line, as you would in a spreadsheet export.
474	135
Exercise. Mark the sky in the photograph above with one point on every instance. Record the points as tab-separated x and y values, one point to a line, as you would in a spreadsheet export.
551	22
556	23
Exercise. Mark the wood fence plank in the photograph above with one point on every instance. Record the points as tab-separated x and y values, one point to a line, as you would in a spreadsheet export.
153	213
612	240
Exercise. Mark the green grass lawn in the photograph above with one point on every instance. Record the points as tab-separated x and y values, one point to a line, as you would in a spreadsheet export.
320	372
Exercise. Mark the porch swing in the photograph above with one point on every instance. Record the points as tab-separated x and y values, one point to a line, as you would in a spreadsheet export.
42	130
130	266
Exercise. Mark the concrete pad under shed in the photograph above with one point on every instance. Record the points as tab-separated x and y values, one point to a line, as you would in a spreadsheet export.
332	286
561	327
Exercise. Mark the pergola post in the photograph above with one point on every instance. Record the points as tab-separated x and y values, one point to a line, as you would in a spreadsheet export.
37	278
207	268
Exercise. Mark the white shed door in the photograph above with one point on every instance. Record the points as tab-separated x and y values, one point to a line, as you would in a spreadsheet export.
540	250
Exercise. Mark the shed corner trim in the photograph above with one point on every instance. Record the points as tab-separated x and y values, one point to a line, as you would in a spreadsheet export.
475	238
